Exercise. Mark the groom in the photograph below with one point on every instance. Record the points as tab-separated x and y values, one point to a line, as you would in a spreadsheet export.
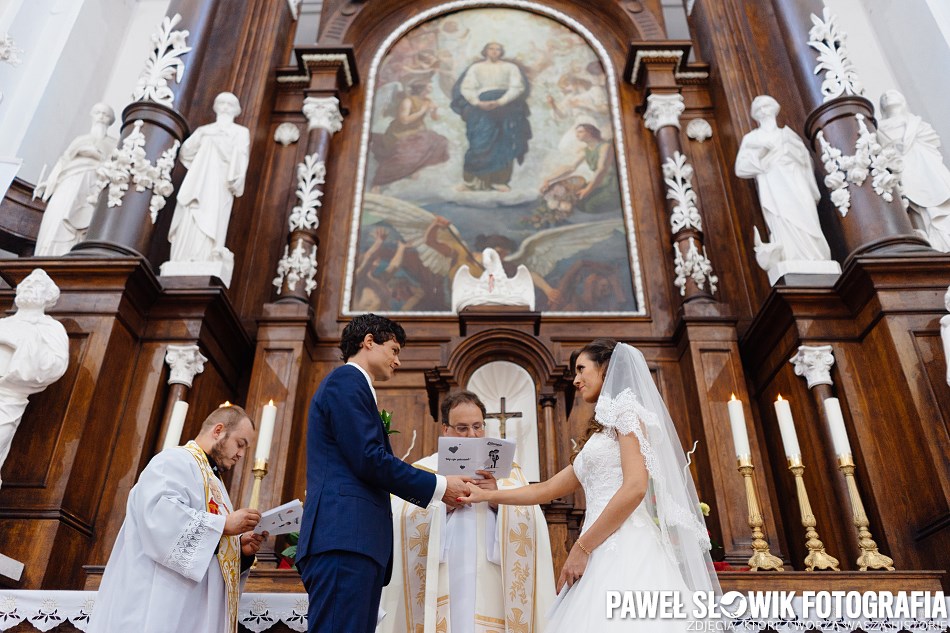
345	549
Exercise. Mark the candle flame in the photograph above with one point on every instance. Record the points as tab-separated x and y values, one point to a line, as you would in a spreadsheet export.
226	403
270	402
780	397
733	397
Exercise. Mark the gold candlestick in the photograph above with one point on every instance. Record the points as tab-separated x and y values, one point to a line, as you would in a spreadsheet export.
817	557
870	557
259	470
762	558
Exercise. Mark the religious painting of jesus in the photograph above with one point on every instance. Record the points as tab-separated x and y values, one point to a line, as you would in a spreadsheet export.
480	137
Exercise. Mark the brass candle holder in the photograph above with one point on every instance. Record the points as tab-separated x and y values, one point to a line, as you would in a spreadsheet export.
817	557
259	470
762	558
870	558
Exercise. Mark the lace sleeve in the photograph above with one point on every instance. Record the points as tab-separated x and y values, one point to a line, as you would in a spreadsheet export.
182	557
625	414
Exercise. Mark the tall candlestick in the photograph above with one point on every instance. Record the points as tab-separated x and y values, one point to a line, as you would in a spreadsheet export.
266	434
176	425
839	436
786	426
740	436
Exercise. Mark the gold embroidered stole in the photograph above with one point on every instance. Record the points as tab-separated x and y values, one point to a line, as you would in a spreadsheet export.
427	605
229	548
519	560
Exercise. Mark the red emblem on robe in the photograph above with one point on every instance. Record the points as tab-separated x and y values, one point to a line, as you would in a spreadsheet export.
213	507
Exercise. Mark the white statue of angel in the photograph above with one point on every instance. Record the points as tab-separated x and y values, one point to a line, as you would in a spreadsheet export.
493	287
443	251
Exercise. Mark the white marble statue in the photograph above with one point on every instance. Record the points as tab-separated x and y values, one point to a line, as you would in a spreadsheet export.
217	157
66	189
783	171
34	352
494	287
925	180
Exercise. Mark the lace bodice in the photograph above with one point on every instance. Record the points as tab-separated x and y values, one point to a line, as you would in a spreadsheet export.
597	467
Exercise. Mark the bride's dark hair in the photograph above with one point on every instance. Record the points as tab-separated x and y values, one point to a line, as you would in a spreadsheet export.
599	350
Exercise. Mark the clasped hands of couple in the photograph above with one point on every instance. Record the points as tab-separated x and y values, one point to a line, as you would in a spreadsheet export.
460	489
477	491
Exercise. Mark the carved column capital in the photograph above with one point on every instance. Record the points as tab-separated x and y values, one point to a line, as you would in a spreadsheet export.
323	113
814	363
663	110
185	361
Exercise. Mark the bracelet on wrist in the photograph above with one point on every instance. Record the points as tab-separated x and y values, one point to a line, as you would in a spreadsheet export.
583	549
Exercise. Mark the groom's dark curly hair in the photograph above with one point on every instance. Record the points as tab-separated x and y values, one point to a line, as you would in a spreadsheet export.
380	327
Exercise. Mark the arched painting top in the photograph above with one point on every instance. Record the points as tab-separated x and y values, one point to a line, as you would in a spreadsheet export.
336	25
466	145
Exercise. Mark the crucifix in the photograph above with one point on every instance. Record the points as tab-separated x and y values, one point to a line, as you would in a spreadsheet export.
503	417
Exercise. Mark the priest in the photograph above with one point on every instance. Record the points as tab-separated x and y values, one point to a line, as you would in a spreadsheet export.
183	553
470	569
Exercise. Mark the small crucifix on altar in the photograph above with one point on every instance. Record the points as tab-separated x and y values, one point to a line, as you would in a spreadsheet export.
503	417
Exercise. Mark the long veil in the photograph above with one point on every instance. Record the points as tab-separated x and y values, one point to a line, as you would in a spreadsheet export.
630	403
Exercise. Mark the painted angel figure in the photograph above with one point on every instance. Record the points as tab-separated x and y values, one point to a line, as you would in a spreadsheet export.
493	287
443	250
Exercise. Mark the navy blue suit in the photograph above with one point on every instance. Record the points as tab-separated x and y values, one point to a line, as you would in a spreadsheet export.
346	537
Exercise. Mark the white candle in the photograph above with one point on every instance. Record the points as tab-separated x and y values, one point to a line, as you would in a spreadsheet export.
740	436
175	425
787	427
839	436
266	434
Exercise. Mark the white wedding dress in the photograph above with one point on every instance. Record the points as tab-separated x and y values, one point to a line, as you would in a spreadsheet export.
632	558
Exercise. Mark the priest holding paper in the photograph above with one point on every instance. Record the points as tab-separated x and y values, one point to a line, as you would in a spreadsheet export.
183	553
471	569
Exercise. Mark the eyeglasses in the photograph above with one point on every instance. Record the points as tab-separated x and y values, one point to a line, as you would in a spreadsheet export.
465	428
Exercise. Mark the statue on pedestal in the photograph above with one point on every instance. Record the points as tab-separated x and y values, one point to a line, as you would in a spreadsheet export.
66	190
216	155
493	287
34	352
925	180
783	171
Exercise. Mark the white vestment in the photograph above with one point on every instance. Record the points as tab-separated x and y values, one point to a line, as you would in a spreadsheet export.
170	567
485	569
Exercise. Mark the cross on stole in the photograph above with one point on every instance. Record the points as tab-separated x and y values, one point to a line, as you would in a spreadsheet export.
503	417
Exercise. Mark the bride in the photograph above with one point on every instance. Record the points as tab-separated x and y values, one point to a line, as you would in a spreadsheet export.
643	530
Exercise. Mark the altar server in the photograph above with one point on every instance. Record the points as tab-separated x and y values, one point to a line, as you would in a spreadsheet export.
183	553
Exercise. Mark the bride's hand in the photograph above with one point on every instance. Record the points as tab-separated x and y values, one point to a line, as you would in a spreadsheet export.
574	567
475	495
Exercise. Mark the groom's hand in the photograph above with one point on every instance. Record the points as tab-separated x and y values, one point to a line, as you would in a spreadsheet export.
456	488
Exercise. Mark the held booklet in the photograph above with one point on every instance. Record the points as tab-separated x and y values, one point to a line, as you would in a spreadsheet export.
282	519
465	455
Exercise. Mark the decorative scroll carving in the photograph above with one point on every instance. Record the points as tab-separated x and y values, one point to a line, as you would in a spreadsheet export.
869	158
163	64
695	266
311	175
830	41
678	175
129	165
297	266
